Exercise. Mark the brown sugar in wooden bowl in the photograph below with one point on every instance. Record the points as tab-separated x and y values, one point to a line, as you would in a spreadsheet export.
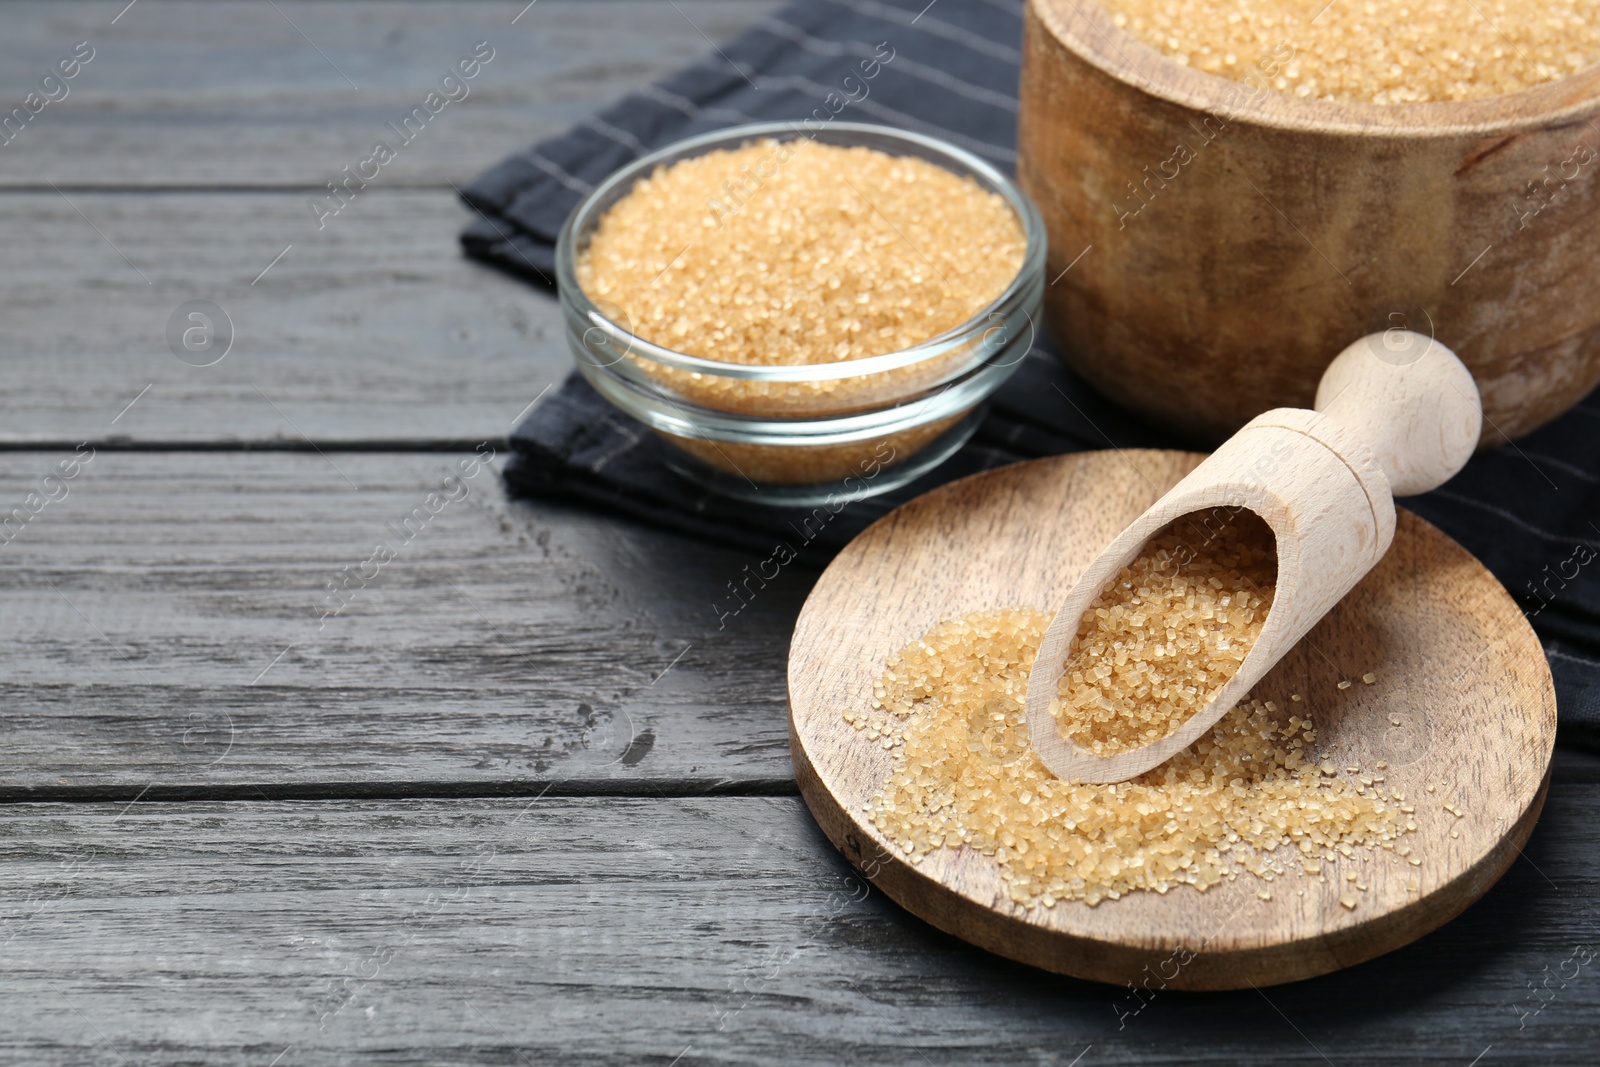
1232	235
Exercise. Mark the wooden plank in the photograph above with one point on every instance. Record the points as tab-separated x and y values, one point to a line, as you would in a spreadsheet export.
163	629
370	328
374	329
238	93
464	665
639	930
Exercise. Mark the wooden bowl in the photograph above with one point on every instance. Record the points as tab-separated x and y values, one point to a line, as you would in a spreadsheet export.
1217	282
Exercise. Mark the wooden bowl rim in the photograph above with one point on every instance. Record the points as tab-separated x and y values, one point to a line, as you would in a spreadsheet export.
1571	100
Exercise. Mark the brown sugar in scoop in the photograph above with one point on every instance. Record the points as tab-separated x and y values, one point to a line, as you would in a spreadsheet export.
1158	643
1396	413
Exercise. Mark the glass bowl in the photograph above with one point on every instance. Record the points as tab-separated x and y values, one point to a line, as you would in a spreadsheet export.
822	433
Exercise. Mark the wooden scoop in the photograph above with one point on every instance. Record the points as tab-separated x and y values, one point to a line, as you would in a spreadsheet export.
1396	413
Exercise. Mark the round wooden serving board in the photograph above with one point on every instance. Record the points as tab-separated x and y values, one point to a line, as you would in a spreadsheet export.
1456	663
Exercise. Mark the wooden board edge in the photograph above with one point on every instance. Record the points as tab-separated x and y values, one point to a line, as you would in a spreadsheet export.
1205	970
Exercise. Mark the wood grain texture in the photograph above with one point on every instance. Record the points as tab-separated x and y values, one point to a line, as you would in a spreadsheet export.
1410	401
1463	702
1222	276
374	329
623	931
192	94
370	329
589	930
505	647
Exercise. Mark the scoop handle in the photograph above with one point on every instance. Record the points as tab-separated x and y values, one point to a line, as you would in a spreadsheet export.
1411	401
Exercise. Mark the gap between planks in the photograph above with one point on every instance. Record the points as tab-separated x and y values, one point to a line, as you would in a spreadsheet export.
568	788
123	443
287	188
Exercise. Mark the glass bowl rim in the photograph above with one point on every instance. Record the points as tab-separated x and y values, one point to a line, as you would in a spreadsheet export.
572	295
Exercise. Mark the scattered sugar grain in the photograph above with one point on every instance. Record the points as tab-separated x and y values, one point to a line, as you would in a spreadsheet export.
964	775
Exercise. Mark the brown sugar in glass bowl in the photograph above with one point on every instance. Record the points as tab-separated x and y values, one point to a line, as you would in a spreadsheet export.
1237	233
759	306
789	253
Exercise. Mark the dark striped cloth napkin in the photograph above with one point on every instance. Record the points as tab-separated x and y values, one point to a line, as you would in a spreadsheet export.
1530	510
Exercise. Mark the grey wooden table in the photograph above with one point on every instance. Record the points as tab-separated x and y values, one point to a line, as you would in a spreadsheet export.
522	801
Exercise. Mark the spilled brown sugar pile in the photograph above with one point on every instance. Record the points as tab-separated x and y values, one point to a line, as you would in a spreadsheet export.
1247	797
1168	632
1367	50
